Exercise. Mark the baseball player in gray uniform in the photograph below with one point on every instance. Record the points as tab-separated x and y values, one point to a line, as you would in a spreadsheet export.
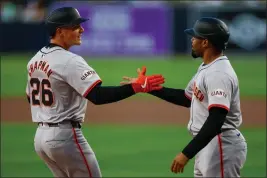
59	85
212	95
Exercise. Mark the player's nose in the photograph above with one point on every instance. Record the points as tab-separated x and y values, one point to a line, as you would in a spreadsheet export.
81	29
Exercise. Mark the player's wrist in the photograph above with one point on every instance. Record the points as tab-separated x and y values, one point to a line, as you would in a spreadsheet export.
188	153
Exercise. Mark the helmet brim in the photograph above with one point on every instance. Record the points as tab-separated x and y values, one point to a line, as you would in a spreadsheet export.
73	23
78	21
193	33
81	20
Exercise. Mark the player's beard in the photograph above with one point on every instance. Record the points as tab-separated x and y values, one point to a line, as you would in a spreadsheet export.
194	54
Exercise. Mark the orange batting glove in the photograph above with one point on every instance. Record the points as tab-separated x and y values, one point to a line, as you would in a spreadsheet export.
144	83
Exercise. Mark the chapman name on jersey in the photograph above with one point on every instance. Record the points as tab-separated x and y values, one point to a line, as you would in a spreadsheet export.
41	66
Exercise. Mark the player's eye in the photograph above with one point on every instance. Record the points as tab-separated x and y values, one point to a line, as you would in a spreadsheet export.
76	27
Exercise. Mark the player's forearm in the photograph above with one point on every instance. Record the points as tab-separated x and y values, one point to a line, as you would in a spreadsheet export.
209	130
175	96
109	94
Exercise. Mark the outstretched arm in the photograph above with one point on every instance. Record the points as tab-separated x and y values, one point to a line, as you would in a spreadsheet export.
109	94
175	96
85	80
103	95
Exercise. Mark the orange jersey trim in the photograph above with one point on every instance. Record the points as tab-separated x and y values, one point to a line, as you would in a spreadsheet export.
91	87
219	106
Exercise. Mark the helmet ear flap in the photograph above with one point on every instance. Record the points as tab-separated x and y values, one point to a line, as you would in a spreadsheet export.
219	40
219	45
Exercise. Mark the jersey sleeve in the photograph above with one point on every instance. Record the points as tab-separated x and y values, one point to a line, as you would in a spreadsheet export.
189	89
219	90
80	75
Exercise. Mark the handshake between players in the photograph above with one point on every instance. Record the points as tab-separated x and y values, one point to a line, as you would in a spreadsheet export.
143	83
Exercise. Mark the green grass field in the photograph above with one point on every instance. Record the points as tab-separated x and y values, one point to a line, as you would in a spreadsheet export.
123	150
177	71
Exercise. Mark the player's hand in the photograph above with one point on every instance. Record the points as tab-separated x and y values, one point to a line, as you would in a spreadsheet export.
179	163
130	80
144	83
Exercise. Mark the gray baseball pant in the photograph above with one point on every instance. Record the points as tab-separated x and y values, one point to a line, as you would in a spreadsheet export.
224	156
66	151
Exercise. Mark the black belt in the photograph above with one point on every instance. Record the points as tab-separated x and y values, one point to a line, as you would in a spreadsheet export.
73	123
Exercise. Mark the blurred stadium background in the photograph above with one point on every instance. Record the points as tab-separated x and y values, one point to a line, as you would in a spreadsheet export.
141	135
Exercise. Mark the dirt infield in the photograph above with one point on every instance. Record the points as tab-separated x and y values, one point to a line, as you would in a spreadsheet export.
135	111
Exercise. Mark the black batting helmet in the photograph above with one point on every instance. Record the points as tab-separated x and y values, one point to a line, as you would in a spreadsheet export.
63	17
212	29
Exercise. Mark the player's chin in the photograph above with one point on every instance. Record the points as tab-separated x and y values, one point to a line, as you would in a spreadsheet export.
194	54
78	42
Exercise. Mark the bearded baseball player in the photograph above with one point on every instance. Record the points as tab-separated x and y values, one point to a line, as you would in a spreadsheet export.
212	95
59	85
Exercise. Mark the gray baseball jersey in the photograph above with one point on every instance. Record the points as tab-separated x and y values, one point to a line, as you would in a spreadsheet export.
57	82
216	84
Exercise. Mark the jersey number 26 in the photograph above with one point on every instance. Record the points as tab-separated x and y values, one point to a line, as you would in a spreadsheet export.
43	89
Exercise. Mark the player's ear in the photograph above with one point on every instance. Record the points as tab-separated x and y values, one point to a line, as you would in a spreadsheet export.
205	43
59	31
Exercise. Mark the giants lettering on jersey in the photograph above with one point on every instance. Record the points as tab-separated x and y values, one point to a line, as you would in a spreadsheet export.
42	65
198	94
218	93
87	74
